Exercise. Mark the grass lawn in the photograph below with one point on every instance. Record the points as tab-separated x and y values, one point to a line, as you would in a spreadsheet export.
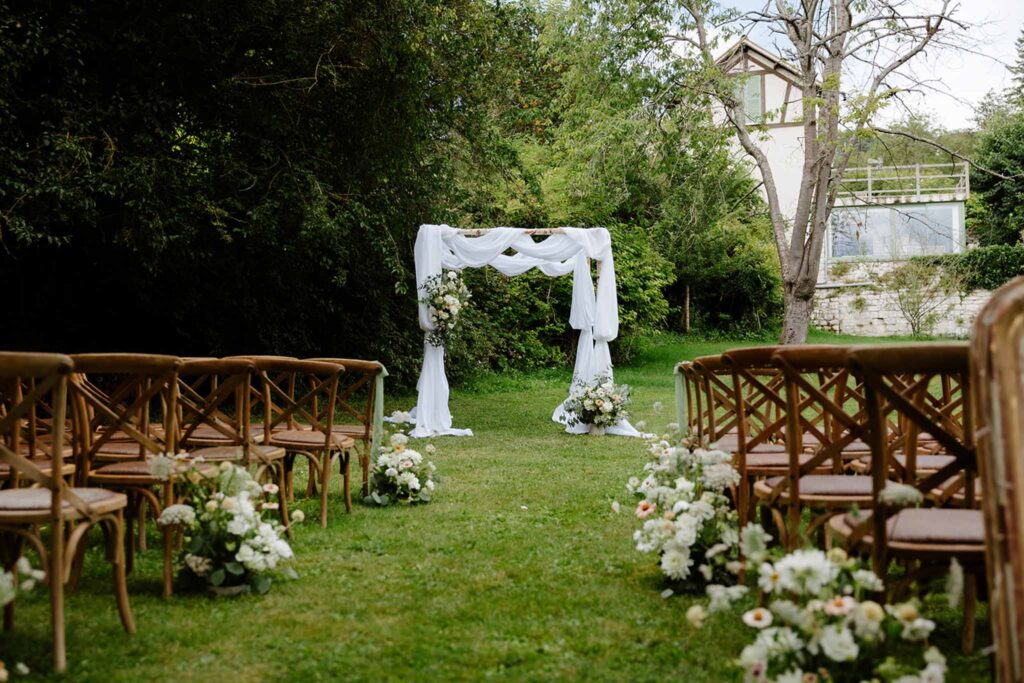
518	570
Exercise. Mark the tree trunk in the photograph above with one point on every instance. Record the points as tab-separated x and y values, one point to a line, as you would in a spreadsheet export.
796	317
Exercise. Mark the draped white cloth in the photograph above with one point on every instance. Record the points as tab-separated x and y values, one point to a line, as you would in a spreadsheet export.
596	316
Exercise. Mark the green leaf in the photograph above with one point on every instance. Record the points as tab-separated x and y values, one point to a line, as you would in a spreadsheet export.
261	584
235	568
217	577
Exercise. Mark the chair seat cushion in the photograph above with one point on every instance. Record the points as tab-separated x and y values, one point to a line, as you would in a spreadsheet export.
36	503
925	463
127	468
308	439
355	431
778	460
932	526
831	485
234	453
731	443
44	466
208	434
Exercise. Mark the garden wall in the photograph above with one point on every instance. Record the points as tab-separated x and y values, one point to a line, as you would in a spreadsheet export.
850	300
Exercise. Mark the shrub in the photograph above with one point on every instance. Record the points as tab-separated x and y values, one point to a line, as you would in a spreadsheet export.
984	267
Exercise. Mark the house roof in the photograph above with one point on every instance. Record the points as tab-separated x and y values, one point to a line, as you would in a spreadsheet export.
745	46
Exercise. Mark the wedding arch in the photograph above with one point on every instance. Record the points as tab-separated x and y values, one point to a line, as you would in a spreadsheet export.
563	251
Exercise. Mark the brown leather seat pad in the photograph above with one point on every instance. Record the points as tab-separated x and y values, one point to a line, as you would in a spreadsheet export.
779	460
231	453
932	526
831	485
127	468
929	463
302	438
40	500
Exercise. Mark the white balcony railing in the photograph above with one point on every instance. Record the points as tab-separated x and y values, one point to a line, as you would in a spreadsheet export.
905	184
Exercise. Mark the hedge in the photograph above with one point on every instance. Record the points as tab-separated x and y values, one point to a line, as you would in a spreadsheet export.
984	267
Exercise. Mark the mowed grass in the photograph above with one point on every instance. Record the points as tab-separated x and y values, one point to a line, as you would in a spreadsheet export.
518	570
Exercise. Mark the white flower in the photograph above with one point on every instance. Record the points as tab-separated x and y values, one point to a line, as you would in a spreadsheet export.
616	507
722	597
918	629
431	449
900	495
399	439
676	564
184	515
162	467
839	606
297	517
695	615
805	572
768	579
838	644
200	566
933	673
754	543
791	676
758	617
933	656
22	669
868	580
867	619
657	407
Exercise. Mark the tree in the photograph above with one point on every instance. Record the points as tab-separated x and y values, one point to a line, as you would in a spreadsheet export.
832	44
1001	193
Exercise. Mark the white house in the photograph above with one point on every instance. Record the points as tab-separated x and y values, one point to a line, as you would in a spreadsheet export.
883	215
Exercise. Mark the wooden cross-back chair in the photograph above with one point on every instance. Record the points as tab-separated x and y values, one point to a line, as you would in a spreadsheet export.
67	512
357	392
997	373
719	418
298	399
898	378
215	422
692	399
817	386
139	411
760	409
34	438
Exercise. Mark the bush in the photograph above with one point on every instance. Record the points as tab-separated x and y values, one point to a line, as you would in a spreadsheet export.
983	268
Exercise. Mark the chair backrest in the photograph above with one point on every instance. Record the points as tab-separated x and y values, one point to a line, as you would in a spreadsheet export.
127	397
757	395
45	375
825	405
715	385
997	374
927	385
357	388
298	394
213	403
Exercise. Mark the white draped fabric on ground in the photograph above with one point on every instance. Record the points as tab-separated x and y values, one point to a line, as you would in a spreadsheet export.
566	251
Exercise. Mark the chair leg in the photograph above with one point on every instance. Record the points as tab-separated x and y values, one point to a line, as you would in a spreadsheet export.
970	604
57	596
141	517
325	478
117	537
344	464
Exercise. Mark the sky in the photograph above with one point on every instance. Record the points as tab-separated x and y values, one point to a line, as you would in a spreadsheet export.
966	78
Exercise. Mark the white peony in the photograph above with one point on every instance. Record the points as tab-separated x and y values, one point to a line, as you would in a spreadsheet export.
676	564
184	515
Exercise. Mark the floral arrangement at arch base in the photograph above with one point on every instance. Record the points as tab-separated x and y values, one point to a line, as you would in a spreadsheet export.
686	517
600	403
444	295
821	624
402	474
232	542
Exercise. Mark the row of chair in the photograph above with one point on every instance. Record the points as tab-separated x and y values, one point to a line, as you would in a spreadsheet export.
819	433
77	434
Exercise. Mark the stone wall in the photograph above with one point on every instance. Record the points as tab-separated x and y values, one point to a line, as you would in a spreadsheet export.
849	300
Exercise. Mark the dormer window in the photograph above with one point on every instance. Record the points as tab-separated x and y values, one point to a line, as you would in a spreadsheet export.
753	102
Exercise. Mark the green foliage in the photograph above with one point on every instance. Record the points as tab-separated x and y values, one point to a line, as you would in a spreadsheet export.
984	267
1002	198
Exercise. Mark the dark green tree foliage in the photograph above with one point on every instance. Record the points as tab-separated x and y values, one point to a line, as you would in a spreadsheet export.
243	176
1001	196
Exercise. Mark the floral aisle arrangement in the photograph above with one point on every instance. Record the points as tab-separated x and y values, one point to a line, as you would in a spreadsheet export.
820	624
232	544
686	518
402	474
444	295
600	403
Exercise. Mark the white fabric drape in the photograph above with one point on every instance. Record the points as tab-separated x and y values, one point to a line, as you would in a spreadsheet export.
596	316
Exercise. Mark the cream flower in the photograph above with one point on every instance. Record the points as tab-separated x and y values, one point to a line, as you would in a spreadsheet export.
758	617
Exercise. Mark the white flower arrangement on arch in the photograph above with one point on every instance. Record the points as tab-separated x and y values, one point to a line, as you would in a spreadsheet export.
231	538
820	624
402	474
687	519
445	295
